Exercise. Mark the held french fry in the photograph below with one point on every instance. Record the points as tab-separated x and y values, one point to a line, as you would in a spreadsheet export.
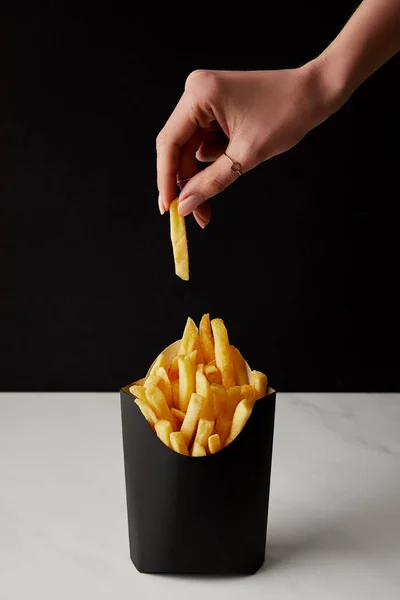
178	414
186	381
175	392
232	400
165	385
198	450
223	355
173	371
147	412
139	391
163	430
158	403
259	382
204	389
206	339
239	367
179	241
247	392
190	337
205	428
214	443
212	373
178	443
190	421
223	428
240	418
219	396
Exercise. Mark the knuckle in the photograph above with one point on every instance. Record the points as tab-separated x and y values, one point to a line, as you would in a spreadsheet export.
202	80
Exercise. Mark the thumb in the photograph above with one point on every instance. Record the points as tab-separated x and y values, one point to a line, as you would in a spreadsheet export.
214	179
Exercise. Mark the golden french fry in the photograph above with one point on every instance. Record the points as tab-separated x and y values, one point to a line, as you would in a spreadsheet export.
147	412
206	339
190	337
204	389
152	379
193	358
219	396
240	418
198	450
159	362
173	371
223	355
259	382
178	414
178	443
232	400
158	403
205	428
214	444
165	385
179	241
223	428
212	373
139	391
247	392
175	392
163	430
239	367
186	381
190	421
200	368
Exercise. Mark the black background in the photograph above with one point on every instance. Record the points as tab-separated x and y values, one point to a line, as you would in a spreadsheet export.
301	256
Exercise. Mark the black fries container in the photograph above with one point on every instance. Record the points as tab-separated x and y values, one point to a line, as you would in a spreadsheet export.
205	515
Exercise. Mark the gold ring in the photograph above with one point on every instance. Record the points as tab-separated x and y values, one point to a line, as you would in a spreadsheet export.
235	166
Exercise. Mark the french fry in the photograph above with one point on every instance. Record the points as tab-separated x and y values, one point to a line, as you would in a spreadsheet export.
247	392
175	392
239	367
219	397
205	428
179	241
178	414
223	355
173	371
190	337
200	368
214	443
259	382
192	415
198	450
158	403
212	373
159	362
165	385
204	389
212	362
193	358
232	400
223	428
147	412
163	430
178	443
186	381
152	379
206	339
139	391
240	418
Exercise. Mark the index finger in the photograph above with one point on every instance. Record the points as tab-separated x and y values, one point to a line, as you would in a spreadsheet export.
177	131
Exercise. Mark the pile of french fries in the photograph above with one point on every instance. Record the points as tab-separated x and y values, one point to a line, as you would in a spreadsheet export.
200	403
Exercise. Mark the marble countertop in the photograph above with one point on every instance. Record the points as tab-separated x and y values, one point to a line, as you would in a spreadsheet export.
334	520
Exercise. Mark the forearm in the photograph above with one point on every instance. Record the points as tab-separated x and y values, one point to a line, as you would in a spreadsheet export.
368	40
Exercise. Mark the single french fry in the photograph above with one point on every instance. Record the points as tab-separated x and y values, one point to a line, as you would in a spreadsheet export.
247	392
200	368
159	362
139	391
173	371
205	428
259	381
152	379
158	403
147	412
179	241
223	428
223	355
190	337
219	396
240	418
178	443
186	381
232	400
165	385
175	392
239	367
192	415
198	450
193	358
163	430
200	360
203	388
214	443
206	339
212	373
178	414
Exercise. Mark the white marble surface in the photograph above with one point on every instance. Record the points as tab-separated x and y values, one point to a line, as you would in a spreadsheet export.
334	524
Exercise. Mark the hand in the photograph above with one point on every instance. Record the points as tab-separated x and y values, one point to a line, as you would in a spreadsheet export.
253	116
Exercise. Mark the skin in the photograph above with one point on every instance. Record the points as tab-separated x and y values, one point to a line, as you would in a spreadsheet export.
255	115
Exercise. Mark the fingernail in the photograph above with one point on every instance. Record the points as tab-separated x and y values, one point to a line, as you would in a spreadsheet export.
161	205
188	205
